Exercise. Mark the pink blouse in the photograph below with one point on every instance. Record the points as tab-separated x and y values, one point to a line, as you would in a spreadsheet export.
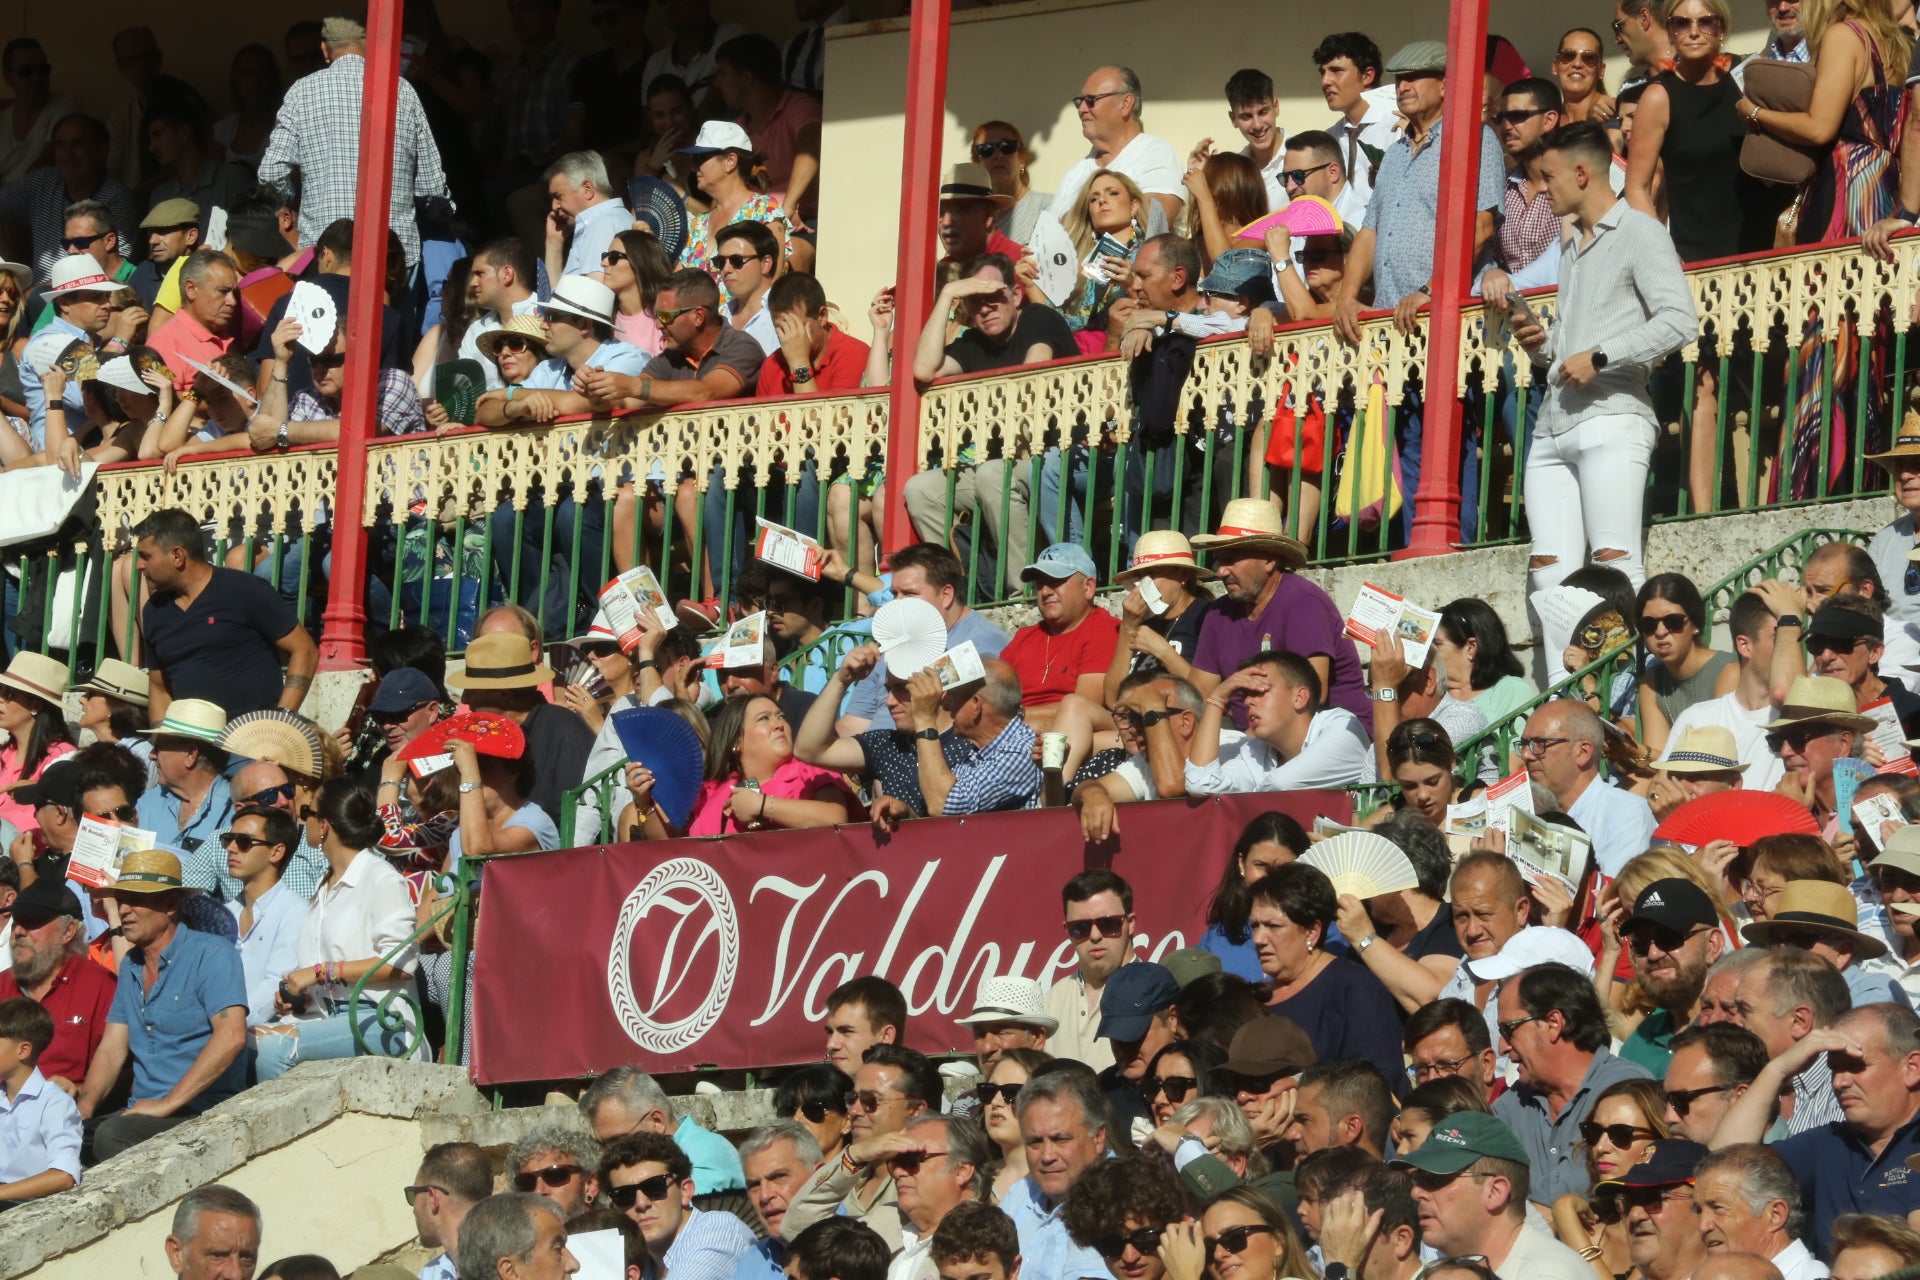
794	780
15	811
639	330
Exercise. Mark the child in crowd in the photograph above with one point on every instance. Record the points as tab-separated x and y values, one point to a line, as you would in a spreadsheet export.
39	1123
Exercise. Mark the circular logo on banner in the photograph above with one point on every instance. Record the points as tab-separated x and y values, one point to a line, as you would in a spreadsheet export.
682	886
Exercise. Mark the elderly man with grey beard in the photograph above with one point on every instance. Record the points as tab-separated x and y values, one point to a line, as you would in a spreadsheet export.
51	967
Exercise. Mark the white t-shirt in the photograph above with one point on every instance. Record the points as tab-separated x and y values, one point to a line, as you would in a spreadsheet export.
1334	755
1749	730
1536	1255
1151	162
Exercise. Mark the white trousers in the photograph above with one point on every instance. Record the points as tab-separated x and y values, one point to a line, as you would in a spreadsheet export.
1585	492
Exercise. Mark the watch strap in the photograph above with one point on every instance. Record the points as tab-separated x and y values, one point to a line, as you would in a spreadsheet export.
927	735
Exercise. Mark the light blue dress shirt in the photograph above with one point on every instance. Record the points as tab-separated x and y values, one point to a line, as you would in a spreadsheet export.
269	951
39	1130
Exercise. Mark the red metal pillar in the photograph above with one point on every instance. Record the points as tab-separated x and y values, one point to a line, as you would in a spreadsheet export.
926	129
343	639
1436	521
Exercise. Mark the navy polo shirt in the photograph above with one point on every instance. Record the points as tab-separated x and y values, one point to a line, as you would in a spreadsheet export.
1838	1174
224	646
170	1023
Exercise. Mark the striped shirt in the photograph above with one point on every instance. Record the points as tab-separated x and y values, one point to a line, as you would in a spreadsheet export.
1000	775
40	201
708	1246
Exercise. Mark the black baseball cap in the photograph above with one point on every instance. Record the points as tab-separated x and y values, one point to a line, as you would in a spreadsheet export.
58	783
44	900
1674	903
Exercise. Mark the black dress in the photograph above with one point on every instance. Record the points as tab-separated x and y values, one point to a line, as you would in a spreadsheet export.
1714	210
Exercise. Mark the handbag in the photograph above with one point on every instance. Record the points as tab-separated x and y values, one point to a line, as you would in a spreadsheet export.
1776	85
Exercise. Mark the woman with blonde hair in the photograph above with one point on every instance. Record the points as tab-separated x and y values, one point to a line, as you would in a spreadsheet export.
15	281
1627	1118
1107	228
1620	995
1001	150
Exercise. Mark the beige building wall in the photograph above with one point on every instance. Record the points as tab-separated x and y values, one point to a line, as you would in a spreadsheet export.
1022	62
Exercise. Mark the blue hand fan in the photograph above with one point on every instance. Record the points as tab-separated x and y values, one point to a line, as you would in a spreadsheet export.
666	744
656	203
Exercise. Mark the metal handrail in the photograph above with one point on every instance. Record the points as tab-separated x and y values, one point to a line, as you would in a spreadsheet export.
388	1015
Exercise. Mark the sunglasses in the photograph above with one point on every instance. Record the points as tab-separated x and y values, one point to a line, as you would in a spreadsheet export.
612	256
669	315
272	795
654	1189
413	1193
1176	1089
385	718
243	841
1109	927
1144	1241
1651	1198
333	360
1508	1028
817	1112
1682	1100
1819	645
1298	177
554	1175
79	244
1796	739
125	813
308	813
1238	1084
736	260
1671	623
1084	101
1233	1239
1004	147
515	344
1579	57
599	650
869	1101
1643	940
988	1092
1620	1135
1517	117
909	1162
1708	24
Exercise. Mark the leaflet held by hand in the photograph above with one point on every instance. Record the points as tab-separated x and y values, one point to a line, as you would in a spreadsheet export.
959	665
99	847
788	549
624	598
1378	613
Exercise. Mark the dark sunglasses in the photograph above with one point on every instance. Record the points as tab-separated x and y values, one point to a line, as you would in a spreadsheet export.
654	1188
1004	147
1518	117
554	1175
125	813
736	260
272	795
988	1092
1672	623
79	244
1819	645
1236	1083
1651	1198
1084	101
1234	1239
1109	927
384	718
667	315
1579	57
332	360
1299	176
1176	1088
515	342
244	841
1144	1241
1796	738
1644	939
1682	1100
869	1101
612	256
1710	23
308	813
1620	1135
817	1112
909	1162
413	1193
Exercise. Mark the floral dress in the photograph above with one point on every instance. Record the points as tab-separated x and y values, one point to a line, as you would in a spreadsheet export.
700	248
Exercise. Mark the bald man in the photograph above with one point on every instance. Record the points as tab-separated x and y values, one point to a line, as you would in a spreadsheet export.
1736	1266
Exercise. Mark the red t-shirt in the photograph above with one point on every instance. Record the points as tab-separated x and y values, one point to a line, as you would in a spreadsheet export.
1049	665
78	1000
841	367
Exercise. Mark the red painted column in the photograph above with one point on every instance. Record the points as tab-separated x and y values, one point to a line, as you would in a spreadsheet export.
1436	524
926	128
343	638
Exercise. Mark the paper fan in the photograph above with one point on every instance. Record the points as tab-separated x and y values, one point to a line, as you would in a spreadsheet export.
1057	260
1739	816
911	634
457	385
1362	864
1303	216
46	348
286	738
313	307
221	379
656	203
666	744
491	734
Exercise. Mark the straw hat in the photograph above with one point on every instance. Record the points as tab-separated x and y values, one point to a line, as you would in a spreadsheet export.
501	660
1161	549
1704	749
35	673
1819	906
1250	524
194	718
969	181
528	327
1905	445
286	738
116	679
1822	700
151	871
20	272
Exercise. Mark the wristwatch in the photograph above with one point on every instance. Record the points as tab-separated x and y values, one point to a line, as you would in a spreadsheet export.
802	376
1790	620
1599	359
283	438
928	735
466	788
1908	216
1386	693
1366	942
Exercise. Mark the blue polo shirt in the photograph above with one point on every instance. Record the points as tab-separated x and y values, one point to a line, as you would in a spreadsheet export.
169	1024
1838	1174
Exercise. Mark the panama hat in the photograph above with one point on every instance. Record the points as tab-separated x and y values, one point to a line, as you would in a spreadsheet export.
1822	700
969	181
1704	749
35	673
194	718
1008	998
116	679
151	871
1905	445
1161	549
20	272
583	297
528	327
1249	524
286	738
1819	906
79	273
501	660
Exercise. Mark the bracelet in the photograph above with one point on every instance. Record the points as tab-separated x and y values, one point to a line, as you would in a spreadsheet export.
390	782
1753	116
1591	1253
847	1161
646	664
1215	702
763	807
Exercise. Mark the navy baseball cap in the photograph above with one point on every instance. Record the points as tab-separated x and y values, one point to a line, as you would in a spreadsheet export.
1133	994
402	690
1061	561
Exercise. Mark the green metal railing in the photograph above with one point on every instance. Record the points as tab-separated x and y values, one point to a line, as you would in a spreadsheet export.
390	1013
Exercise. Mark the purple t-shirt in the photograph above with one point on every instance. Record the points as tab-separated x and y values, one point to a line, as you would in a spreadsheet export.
1300	618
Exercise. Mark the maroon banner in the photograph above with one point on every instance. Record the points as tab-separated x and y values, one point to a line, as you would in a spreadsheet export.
720	953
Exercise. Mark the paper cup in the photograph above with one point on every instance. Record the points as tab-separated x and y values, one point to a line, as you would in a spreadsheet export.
1053	751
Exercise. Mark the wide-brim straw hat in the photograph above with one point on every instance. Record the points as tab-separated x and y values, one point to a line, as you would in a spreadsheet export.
1822	700
502	660
35	673
285	738
1704	748
1905	445
151	871
969	181
116	679
1253	524
1160	550
194	718
1818	905
528	327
